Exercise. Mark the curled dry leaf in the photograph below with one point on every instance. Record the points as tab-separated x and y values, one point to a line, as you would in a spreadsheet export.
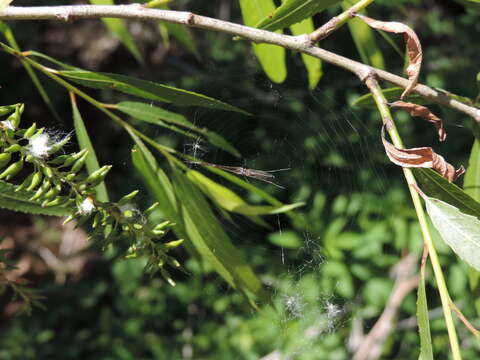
414	48
423	112
423	157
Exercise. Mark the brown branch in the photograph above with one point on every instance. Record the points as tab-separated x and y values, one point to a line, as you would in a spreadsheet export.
301	43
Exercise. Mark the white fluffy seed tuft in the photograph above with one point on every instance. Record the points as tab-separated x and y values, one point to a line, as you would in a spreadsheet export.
87	206
39	145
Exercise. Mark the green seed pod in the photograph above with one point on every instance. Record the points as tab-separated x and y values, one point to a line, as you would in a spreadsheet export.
59	160
25	183
12	170
137	226
151	208
74	157
5	159
127	198
36	179
157	232
166	276
54	191
57	146
60	200
173	262
79	163
172	244
30	158
68	219
30	131
162	225
41	190
13	148
47	171
98	175
97	219
16	116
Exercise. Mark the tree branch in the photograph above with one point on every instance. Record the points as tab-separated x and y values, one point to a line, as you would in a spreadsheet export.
300	43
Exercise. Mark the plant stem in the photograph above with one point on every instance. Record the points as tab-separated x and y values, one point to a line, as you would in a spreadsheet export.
387	119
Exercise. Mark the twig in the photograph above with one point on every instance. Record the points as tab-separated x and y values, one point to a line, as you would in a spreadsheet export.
301	43
467	323
372	346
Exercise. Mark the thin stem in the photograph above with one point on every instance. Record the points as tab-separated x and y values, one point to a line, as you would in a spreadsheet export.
338	21
387	119
301	43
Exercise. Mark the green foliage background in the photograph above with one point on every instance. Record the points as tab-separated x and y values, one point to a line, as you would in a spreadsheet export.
357	222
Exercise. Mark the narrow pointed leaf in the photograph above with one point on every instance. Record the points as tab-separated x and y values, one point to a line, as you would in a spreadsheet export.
271	57
471	183
118	28
459	230
434	185
158	116
426	351
292	12
312	64
210	239
146	89
19	201
85	143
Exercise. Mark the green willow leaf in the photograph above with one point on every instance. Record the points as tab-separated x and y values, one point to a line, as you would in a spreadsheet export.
292	12
426	351
312	64
146	89
460	231
230	201
434	185
118	28
364	39
19	201
85	143
152	114
158	116
471	182
271	57
210	239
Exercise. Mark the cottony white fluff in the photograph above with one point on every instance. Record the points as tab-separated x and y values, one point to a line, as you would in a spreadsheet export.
87	206
40	145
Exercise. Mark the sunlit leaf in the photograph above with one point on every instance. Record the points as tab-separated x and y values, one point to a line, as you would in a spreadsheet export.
460	231
210	239
145	89
85	143
434	185
364	39
471	183
312	64
271	57
292	12
118	28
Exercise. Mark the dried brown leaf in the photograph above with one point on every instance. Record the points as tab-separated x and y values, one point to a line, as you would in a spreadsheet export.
423	157
414	48
423	112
